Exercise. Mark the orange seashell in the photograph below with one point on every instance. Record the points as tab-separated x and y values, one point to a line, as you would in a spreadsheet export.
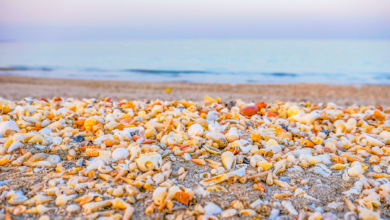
260	187
148	142
87	147
92	152
43	99
234	149
136	137
182	197
199	161
271	114
80	121
237	204
261	105
127	121
249	110
338	159
110	143
57	99
379	107
374	159
282	196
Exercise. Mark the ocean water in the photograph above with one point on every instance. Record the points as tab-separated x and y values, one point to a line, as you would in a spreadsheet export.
211	61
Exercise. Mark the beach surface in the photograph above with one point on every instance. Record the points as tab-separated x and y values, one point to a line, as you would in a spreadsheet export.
16	88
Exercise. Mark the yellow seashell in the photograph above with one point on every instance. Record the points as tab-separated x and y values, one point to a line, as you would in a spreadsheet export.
339	166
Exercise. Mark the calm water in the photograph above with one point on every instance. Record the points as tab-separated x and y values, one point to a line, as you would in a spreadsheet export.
228	61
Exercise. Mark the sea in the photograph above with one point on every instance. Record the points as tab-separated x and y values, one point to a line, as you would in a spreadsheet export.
345	62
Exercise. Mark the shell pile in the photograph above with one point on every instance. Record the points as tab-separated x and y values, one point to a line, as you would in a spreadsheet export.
103	159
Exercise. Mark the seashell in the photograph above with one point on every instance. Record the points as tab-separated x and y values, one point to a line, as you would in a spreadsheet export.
195	130
374	159
207	217
19	210
386	150
280	166
212	209
339	166
249	212
217	189
94	206
228	213
260	187
40	209
182	197
73	208
7	128
283	196
377	169
199	161
228	159
249	110
104	169
5	159
290	208
356	171
15	145
167	166
232	135
120	153
17	199
211	149
223	177
373	141
38	200
62	200
213	164
159	195
145	163
271	150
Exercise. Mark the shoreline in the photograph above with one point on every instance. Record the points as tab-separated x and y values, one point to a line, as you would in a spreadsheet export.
16	88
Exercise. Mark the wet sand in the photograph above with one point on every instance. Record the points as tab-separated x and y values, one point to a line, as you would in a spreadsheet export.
16	88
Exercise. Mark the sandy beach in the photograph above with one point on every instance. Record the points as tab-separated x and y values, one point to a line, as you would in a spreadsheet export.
16	88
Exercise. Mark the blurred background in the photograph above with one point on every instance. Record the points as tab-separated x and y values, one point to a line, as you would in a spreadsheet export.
221	41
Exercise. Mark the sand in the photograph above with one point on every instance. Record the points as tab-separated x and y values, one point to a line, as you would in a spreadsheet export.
16	88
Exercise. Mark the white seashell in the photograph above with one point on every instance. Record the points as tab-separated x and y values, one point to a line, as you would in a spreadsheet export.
232	135
73	208
17	199
7	127
62	200
159	195
374	142
172	191
104	169
256	204
157	161
377	169
94	206
145	163
256	159
228	213
187	156
15	145
356	171
385	135
271	142
120	153
211	209
289	206
228	159
54	159
167	166
195	130
93	165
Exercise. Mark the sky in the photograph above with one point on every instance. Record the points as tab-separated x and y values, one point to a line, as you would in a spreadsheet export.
51	20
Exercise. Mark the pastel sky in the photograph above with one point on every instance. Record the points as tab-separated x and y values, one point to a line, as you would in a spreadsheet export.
42	20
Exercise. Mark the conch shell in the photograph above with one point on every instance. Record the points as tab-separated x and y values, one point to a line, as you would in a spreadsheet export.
228	159
232	135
